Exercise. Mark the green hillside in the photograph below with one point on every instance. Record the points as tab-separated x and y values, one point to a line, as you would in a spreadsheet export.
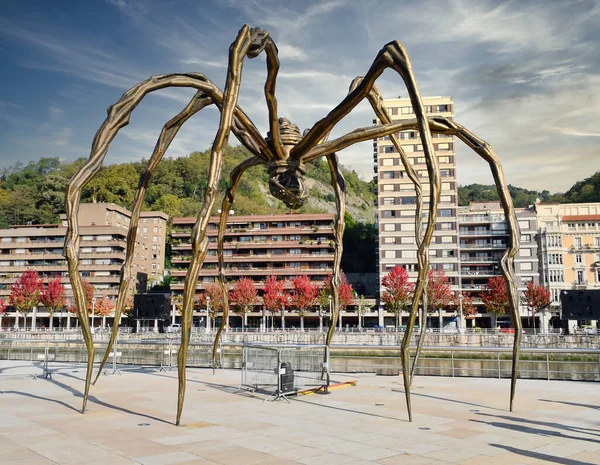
35	193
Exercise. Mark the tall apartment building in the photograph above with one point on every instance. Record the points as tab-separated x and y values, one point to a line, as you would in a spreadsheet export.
569	247
484	236
257	247
103	236
396	195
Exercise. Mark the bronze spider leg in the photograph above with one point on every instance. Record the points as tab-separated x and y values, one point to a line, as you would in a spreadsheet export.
483	149
228	199
376	102
392	55
339	187
118	117
445	126
198	102
242	130
238	50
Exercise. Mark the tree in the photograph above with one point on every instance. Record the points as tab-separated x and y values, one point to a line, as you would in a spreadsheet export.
275	298
536	298
3	306
104	306
243	297
495	297
439	294
469	309
217	300
345	292
398	292
89	290
304	296
53	297
25	293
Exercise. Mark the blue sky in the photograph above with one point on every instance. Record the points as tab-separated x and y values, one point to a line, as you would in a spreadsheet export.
525	75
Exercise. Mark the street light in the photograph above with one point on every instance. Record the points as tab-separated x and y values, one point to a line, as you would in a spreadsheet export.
93	311
207	326
460	313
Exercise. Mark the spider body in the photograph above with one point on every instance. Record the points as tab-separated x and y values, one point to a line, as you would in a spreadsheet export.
284	152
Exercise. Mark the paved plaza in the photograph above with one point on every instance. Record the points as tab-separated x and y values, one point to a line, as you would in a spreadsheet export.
457	420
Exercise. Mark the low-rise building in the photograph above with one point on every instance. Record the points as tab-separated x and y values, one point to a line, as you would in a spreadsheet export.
103	241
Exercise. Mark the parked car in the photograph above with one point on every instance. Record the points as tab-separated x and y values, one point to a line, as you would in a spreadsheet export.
176	328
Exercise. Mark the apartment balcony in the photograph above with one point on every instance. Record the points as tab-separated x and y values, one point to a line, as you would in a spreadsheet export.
481	218
481	273
483	246
235	271
491	232
479	259
304	230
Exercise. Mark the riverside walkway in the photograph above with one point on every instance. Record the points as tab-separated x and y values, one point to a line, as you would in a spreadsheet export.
456	420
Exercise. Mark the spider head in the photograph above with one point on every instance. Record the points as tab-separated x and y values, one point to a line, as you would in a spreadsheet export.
286	182
286	177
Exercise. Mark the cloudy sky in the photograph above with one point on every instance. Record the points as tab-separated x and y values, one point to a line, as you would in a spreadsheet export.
524	74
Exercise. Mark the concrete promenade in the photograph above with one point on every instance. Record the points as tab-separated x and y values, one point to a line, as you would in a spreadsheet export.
457	420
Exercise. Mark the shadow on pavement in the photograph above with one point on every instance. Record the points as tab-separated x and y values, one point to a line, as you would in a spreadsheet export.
539	456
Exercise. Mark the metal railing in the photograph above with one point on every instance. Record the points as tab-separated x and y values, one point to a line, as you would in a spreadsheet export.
38	357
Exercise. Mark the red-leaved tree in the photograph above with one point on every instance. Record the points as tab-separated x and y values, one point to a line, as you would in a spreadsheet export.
104	306
243	297
398	292
275	298
495	297
217	301
53	297
3	307
346	291
439	294
89	290
469	309
304	296
536	298
25	293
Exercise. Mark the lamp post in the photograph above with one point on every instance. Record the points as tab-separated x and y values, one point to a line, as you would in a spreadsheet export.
460	313
320	318
207	326
330	311
93	312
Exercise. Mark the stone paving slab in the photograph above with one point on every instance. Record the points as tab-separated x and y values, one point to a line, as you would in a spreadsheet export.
456	421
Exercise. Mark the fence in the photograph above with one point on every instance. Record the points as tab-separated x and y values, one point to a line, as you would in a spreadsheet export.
283	369
40	353
310	363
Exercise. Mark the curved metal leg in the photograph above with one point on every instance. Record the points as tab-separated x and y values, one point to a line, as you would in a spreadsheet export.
199	238
483	149
168	133
118	117
228	199
339	186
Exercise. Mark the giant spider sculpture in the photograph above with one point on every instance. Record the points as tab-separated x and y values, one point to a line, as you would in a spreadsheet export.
284	151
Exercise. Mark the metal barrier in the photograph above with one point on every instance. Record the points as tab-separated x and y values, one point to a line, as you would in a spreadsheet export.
311	364
283	369
536	363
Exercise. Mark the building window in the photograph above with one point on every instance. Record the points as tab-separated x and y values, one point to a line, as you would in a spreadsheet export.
580	277
578	258
444	212
598	275
577	242
527	266
597	241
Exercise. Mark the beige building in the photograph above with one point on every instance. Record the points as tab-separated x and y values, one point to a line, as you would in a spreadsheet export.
569	250
396	196
103	236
